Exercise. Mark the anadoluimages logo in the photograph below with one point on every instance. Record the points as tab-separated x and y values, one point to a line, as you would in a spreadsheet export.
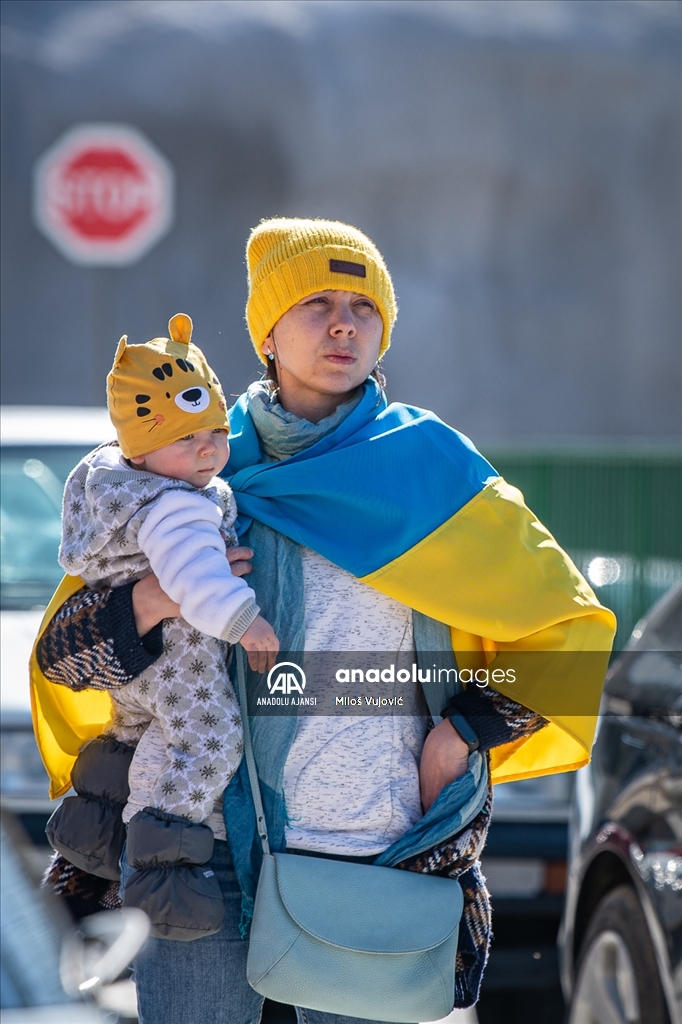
286	677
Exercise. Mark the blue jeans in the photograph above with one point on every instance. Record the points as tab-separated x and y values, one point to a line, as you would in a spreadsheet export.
204	981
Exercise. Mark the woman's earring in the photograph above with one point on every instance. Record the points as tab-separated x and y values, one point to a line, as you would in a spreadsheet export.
271	356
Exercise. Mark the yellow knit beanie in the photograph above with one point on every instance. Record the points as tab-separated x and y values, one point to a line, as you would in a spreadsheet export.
289	258
162	391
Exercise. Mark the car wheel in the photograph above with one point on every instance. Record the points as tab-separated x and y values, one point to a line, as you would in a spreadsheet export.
618	979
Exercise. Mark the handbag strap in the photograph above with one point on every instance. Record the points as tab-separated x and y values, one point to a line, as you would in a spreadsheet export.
248	750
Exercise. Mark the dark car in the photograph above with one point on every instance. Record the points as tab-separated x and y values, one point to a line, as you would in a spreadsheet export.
621	936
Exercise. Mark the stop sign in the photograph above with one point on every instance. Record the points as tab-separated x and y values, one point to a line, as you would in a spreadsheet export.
103	195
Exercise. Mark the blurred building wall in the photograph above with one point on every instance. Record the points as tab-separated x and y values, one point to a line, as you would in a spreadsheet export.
518	163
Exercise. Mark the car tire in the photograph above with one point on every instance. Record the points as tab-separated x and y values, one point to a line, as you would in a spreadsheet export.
617	977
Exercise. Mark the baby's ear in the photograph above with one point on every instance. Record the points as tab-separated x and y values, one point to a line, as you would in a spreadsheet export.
180	328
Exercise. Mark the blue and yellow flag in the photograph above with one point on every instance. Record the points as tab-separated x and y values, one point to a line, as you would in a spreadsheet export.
410	507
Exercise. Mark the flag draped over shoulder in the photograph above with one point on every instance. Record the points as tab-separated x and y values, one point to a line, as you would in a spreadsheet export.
410	507
407	505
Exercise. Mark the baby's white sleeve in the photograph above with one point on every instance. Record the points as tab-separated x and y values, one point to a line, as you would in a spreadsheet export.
181	538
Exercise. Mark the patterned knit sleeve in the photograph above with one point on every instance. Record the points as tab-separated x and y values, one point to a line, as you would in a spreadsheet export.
92	641
495	719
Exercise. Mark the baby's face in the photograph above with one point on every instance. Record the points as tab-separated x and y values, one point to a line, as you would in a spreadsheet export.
196	458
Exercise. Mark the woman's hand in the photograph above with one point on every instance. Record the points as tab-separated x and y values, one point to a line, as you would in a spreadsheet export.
445	758
151	605
240	560
261	645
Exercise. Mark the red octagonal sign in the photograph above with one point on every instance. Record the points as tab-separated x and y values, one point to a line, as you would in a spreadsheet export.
103	195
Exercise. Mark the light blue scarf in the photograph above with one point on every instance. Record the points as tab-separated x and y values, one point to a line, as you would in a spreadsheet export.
277	579
282	434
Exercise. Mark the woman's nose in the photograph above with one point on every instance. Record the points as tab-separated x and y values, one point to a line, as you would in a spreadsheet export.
342	323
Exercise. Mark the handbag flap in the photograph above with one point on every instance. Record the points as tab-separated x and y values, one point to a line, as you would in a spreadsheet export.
363	907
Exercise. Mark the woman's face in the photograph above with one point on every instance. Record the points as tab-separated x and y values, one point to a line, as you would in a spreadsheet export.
325	347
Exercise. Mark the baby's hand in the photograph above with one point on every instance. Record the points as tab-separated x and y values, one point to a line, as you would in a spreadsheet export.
261	645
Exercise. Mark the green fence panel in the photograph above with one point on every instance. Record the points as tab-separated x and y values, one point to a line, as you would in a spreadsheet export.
617	512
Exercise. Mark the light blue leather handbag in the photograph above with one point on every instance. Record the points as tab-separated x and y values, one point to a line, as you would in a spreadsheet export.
349	938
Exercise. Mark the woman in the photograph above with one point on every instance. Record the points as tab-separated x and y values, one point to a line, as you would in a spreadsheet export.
375	528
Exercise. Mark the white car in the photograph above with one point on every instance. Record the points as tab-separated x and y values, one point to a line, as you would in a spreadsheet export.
39	447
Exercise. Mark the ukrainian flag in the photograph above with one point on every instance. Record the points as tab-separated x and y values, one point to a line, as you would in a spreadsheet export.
410	507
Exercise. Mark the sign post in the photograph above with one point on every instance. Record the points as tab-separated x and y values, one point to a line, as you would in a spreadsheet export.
103	195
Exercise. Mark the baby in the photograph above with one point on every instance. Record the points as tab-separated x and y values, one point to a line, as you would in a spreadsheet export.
154	503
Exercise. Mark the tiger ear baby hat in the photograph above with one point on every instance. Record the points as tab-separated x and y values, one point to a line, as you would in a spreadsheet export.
163	390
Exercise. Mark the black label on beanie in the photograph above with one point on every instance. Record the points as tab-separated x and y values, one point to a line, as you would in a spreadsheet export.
345	267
